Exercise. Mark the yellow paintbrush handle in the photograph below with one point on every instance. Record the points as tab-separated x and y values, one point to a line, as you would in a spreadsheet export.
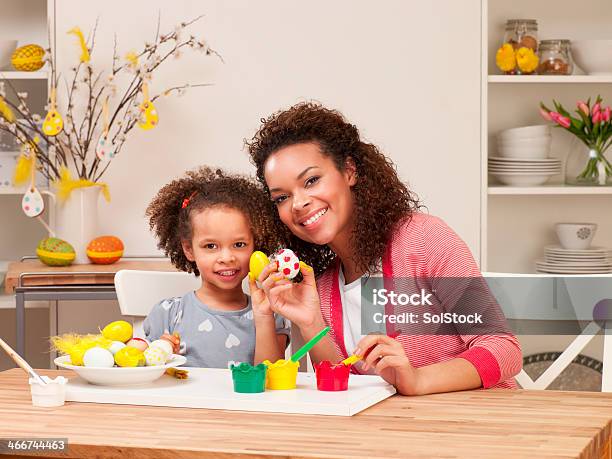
351	360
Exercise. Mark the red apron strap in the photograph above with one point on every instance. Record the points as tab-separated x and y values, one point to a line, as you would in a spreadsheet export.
336	310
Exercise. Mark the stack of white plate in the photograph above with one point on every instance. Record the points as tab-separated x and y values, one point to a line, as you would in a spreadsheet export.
523	172
523	157
557	260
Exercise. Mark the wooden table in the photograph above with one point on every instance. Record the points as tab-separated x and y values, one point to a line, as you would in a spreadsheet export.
33	280
474	424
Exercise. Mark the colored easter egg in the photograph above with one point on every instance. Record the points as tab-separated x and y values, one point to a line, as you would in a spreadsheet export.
288	263
98	357
163	344
258	262
32	203
105	149
119	330
105	250
53	123
148	116
138	343
28	58
155	356
55	252
129	357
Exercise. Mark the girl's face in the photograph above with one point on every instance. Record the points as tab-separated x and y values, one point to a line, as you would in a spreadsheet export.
221	246
312	196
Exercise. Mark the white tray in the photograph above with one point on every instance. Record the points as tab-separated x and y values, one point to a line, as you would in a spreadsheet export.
212	388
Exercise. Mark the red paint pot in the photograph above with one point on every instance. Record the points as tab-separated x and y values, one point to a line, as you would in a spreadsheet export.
332	377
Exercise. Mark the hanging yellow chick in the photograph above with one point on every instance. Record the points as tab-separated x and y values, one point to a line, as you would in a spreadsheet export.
84	51
6	111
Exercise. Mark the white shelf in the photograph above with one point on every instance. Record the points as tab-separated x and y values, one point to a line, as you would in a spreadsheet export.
21	190
13	75
549	190
535	79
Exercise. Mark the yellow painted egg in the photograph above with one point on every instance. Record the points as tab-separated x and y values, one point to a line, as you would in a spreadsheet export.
129	357
258	262
55	252
119	330
28	58
105	250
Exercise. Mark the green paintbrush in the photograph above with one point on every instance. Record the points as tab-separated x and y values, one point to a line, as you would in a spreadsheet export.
301	352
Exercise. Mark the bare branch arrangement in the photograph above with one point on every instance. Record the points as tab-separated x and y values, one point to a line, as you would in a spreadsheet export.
106	112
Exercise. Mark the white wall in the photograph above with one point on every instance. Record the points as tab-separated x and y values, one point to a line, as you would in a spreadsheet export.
406	72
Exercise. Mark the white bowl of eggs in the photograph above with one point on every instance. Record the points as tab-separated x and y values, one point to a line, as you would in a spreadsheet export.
119	376
123	365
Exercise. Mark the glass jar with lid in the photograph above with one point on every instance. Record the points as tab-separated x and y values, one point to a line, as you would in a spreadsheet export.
555	57
522	33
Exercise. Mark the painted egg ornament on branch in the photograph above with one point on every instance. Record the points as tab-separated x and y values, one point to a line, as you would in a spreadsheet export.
55	252
105	250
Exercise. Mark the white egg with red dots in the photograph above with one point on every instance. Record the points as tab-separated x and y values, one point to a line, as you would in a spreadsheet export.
288	263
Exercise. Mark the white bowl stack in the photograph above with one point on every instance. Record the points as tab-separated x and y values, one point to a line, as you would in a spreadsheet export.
523	157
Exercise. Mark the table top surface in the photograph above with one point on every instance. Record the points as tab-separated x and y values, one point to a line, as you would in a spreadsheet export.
491	423
89	274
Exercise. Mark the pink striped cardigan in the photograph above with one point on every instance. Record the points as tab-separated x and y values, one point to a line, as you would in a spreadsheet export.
424	246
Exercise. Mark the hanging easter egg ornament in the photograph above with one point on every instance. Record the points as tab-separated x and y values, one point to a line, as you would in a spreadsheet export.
32	203
148	112
53	123
105	149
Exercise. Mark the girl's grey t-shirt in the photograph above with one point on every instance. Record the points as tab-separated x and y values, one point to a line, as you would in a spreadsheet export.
209	338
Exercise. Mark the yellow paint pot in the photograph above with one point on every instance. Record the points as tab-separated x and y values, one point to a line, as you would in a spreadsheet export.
281	375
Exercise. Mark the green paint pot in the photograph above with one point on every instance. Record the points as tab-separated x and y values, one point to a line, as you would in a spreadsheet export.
249	379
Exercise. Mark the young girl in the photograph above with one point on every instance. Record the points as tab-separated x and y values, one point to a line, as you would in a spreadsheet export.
349	215
209	223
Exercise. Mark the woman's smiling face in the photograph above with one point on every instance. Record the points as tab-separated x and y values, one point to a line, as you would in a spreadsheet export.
313	197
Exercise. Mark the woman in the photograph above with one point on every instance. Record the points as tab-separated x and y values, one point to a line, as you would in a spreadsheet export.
348	215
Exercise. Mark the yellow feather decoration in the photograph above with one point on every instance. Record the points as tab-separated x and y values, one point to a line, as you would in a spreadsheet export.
84	51
66	184
76	345
6	111
23	169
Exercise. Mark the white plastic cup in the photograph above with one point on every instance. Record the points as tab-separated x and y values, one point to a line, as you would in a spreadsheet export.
51	394
576	236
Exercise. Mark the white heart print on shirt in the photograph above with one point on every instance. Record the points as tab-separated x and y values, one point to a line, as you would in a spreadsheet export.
32	203
231	341
205	326
249	315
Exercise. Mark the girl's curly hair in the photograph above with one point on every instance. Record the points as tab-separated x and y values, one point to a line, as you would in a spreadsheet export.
381	199
204	188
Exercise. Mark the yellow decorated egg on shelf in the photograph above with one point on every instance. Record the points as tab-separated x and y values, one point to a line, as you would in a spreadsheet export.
28	58
105	250
55	252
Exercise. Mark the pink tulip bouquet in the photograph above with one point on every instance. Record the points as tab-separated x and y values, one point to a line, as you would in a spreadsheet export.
592	127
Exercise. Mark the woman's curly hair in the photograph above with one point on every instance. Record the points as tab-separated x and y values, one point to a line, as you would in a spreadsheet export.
381	199
204	188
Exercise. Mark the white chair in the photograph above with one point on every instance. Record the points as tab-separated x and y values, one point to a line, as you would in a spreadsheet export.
531	303
139	291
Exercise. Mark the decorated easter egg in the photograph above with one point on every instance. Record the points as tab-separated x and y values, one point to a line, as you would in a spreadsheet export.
288	263
138	343
119	330
148	115
129	357
166	346
155	356
55	252
115	347
98	357
28	58
105	149
32	203
105	250
258	262
53	123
